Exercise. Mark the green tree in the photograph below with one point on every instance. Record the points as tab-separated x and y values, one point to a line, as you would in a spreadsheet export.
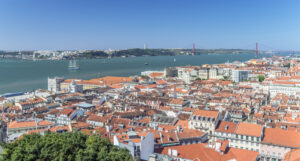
226	77
261	78
63	147
287	65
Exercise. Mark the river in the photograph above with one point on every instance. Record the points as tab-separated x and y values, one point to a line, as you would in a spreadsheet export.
26	75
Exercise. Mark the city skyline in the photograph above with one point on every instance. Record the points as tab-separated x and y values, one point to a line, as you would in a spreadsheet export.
80	25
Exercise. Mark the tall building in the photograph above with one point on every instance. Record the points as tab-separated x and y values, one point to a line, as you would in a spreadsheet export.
240	75
145	46
54	84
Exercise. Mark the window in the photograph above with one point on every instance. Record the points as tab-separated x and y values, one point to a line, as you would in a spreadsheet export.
242	137
246	137
252	138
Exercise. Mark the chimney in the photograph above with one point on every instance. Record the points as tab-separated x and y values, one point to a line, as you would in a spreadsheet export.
178	127
160	135
294	116
174	152
226	127
217	146
107	128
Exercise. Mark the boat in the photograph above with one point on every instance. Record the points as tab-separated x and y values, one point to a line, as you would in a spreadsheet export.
174	60
146	63
73	65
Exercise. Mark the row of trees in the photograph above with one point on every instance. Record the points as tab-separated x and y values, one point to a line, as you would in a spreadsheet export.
74	146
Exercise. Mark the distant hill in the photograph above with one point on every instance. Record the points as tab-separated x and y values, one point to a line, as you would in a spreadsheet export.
170	52
89	54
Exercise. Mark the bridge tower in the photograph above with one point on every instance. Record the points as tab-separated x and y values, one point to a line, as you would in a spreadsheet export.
193	49
256	51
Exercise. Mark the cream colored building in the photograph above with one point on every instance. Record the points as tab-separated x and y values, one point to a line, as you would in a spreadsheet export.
204	120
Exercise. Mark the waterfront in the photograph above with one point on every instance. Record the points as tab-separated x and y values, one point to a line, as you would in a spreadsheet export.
26	75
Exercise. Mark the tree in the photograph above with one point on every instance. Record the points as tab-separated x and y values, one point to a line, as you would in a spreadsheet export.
226	77
287	65
261	78
63	147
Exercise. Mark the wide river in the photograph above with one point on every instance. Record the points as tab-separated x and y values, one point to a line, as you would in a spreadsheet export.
26	75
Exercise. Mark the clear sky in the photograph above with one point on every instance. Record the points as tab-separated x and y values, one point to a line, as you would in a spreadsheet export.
119	24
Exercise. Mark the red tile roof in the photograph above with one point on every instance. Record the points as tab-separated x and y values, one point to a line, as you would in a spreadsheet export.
66	111
45	123
206	113
249	129
231	127
293	155
282	137
201	152
16	124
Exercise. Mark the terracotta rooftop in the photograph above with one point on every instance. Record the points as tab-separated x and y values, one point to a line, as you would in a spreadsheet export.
44	123
226	127
66	111
189	133
206	113
293	155
16	124
249	129
282	137
201	152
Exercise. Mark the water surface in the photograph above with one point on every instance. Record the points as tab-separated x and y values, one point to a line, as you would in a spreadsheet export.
26	75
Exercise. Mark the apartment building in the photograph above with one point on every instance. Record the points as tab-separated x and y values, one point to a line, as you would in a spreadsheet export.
204	120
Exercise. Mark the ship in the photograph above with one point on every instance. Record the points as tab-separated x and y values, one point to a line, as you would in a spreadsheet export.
73	65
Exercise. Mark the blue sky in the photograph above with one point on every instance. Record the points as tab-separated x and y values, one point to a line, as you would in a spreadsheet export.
119	24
